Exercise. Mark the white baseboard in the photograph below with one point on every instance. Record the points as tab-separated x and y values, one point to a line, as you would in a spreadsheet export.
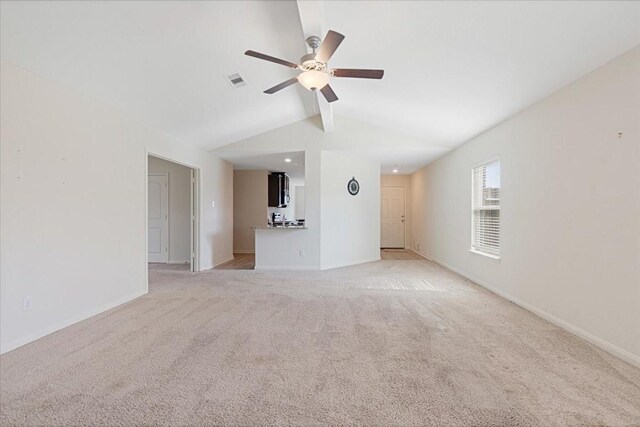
312	268
597	341
287	268
340	265
244	251
19	342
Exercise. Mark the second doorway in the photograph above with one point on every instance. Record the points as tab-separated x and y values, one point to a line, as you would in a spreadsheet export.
172	213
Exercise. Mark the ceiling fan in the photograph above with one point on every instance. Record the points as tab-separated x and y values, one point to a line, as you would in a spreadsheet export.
315	72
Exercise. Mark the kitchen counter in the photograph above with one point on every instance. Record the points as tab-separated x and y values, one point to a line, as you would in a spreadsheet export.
284	250
280	227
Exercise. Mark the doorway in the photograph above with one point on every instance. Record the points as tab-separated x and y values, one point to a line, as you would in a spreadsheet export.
392	217
172	215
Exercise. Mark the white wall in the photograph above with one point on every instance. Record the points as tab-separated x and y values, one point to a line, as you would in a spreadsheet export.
295	249
216	223
179	207
307	136
299	202
402	181
570	232
250	200
73	204
349	225
351	231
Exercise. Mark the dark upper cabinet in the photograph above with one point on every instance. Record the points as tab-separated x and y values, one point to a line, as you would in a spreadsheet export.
278	190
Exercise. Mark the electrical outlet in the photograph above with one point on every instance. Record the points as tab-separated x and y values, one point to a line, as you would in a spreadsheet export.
301	252
26	303
213	204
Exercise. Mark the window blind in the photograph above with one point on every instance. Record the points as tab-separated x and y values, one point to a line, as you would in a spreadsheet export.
486	208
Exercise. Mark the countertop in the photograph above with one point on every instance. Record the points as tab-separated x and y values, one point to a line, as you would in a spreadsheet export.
280	227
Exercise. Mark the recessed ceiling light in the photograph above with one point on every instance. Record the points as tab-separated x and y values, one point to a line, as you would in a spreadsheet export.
395	169
287	160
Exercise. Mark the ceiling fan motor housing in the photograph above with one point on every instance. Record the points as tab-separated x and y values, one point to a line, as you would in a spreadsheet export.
315	73
309	63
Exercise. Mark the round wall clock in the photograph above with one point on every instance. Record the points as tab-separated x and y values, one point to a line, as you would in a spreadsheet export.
353	186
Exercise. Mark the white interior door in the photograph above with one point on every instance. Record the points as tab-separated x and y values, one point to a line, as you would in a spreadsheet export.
392	217
158	208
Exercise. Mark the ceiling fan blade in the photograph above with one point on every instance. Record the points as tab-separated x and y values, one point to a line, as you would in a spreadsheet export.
270	58
328	93
359	74
329	45
281	86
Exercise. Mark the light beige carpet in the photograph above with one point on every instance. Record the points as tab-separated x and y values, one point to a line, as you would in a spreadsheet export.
387	343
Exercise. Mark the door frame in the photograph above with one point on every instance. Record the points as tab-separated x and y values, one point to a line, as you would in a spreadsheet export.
404	227
195	211
195	223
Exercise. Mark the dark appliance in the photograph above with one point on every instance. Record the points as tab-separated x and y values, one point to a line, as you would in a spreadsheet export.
278	190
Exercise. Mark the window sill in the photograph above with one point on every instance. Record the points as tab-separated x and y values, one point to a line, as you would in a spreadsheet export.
497	257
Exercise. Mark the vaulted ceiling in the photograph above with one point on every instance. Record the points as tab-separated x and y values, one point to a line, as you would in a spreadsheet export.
452	69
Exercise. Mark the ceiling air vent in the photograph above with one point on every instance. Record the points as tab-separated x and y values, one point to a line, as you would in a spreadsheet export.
236	80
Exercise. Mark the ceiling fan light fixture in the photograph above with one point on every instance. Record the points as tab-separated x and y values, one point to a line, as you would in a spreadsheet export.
315	74
313	80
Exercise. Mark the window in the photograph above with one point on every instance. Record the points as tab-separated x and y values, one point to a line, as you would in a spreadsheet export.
485	229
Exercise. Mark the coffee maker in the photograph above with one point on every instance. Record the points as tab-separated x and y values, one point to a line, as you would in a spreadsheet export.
277	217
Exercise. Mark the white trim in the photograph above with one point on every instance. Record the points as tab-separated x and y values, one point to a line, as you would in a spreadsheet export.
581	333
244	251
279	268
195	200
362	261
314	268
493	159
146	219
488	255
169	159
194	261
19	342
